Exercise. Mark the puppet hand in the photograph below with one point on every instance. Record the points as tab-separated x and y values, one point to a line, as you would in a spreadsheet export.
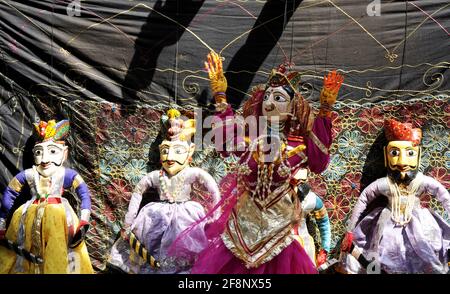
331	85
321	257
80	234
217	79
347	242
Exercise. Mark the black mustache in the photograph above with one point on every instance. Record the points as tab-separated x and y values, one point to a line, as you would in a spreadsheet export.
175	161
51	162
396	176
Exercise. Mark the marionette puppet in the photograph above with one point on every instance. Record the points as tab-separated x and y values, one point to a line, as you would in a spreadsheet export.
149	232
259	206
45	236
312	206
402	237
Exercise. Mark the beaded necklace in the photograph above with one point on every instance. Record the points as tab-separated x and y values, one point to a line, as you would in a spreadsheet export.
174	183
403	200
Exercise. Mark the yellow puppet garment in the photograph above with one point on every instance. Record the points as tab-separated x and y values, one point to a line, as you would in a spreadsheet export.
49	242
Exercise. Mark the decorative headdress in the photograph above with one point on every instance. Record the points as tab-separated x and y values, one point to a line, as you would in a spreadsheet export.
176	128
52	130
397	131
284	76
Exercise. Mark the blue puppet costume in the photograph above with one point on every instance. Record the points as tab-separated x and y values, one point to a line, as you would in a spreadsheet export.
313	205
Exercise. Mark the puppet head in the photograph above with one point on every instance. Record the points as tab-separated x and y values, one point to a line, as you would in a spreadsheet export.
176	149
50	151
402	153
280	91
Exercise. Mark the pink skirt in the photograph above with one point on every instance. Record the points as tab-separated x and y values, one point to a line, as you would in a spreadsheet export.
219	260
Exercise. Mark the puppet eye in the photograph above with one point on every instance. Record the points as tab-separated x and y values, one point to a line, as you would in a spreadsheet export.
395	152
280	98
180	150
54	150
411	153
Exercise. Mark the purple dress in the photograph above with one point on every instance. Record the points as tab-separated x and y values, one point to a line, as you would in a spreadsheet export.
158	224
418	246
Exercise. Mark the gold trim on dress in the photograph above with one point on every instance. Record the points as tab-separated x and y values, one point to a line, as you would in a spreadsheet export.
15	185
255	245
318	143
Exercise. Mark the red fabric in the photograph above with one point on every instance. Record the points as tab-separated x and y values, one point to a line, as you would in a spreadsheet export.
347	242
82	223
397	131
50	200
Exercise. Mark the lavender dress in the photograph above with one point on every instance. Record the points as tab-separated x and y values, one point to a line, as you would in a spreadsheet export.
158	224
419	246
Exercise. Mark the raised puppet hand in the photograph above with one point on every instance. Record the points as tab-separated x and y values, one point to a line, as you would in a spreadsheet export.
331	85
217	79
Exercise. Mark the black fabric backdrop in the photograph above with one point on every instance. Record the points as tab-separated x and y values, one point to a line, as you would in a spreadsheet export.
150	54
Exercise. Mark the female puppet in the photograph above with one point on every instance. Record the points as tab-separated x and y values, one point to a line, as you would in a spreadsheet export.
45	235
260	208
402	237
150	231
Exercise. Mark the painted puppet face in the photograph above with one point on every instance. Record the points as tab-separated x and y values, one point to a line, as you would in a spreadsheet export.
175	155
402	157
276	104
49	156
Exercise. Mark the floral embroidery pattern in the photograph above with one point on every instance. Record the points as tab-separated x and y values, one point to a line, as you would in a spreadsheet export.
338	207
116	152
135	170
350	144
351	185
441	175
135	130
436	139
370	120
336	169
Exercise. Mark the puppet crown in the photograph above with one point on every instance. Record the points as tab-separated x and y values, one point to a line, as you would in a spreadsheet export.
52	130
284	76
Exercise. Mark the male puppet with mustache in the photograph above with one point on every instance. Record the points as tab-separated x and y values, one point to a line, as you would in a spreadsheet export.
45	235
404	237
